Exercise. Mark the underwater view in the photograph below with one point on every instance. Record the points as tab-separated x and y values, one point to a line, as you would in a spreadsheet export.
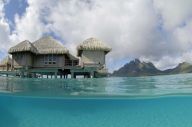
154	101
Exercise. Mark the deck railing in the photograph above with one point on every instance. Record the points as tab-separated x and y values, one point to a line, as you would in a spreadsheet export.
98	65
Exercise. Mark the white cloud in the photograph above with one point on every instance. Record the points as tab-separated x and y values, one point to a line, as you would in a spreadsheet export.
174	12
4	33
4	28
29	26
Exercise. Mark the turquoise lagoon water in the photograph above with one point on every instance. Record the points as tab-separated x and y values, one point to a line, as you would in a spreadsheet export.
156	101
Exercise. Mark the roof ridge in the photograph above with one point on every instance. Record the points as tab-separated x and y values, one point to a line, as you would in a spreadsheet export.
93	44
48	44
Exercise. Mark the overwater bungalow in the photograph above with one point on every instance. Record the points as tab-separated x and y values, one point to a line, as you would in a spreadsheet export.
47	56
5	64
92	53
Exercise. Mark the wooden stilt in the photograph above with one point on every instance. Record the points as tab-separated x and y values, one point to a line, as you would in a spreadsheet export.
55	75
92	75
72	75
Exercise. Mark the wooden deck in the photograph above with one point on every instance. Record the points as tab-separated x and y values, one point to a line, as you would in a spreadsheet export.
63	72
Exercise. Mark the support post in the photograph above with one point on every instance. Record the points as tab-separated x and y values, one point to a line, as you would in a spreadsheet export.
89	75
55	75
22	74
92	74
72	75
12	62
34	75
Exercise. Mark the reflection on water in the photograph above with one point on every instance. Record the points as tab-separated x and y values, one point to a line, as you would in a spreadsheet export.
131	86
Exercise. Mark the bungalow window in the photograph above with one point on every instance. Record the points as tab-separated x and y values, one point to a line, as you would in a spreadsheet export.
18	56
54	59
50	59
45	59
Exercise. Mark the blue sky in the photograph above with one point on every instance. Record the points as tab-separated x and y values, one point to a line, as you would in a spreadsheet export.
151	30
15	7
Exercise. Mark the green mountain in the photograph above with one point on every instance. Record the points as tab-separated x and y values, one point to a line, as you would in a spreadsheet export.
138	68
181	68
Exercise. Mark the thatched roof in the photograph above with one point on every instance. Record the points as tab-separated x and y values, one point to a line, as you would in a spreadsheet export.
93	44
5	61
24	46
45	45
48	45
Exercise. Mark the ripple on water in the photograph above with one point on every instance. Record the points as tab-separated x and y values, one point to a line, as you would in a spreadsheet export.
102	87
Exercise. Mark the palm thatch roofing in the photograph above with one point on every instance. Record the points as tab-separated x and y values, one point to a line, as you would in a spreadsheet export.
48	45
23	46
45	45
93	44
5	61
